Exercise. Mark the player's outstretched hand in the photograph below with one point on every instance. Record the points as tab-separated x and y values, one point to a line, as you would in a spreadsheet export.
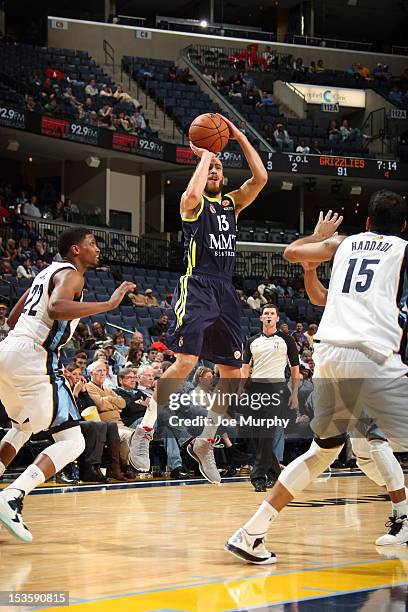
197	151
327	226
234	132
118	295
308	266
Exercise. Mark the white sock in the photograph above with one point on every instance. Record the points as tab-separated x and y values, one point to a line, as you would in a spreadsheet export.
2	468
259	523
400	508
210	430
150	415
28	480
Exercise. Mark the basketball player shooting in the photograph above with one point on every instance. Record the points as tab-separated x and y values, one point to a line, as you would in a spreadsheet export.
358	362
206	306
32	388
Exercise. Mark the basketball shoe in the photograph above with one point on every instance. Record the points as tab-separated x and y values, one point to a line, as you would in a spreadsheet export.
250	548
397	534
202	450
11	508
139	445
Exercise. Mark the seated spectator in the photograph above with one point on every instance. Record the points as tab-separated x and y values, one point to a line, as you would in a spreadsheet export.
395	96
137	340
150	356
25	270
315	148
171	74
299	330
217	80
52	107
203	384
39	266
41	252
145	72
313	67
4	328
349	134
309	334
119	342
31	209
320	67
121	96
161	326
6	271
80	360
106	91
282	138
136	400
300	344
298	65
242	298
134	357
267	289
116	360
256	300
302	147
136	298
91	89
206	75
99	335
102	355
334	133
266	99
283	289
24	249
138	121
166	303
363	71
151	300
32	105
284	328
109	405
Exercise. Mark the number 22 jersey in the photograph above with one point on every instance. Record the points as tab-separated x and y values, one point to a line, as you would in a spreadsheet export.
34	321
367	298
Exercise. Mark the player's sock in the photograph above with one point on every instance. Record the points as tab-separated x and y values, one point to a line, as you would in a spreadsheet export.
259	523
150	416
29	479
210	429
2	468
400	508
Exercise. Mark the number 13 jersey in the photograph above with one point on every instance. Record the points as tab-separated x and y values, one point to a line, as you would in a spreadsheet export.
367	299
34	321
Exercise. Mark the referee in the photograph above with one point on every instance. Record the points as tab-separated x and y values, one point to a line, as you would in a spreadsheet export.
268	352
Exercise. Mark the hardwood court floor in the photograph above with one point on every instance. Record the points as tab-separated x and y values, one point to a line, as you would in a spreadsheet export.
162	548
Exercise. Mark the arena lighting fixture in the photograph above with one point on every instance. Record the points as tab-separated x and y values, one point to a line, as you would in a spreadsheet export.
286	186
203	23
356	190
93	162
13	145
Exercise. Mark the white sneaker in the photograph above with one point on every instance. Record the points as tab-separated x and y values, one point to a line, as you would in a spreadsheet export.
202	450
139	444
250	548
11	508
397	534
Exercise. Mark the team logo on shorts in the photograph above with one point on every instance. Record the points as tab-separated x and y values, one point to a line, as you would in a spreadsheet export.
181	341
212	208
237	354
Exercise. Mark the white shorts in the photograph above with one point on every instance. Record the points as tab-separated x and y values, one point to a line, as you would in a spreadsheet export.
31	389
350	386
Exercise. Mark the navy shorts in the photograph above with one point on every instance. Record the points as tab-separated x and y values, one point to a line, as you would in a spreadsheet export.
207	320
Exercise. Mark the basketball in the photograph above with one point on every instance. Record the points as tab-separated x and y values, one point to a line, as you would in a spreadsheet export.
209	131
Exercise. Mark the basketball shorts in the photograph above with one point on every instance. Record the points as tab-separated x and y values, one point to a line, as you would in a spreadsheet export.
31	388
349	387
207	320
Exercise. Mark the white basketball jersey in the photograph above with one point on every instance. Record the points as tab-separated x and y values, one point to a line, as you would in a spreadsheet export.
34	321
365	293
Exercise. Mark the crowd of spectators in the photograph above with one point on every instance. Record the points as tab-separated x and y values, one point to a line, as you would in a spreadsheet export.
96	104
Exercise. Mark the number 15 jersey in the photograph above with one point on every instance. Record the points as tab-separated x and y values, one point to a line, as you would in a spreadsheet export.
34	321
367	298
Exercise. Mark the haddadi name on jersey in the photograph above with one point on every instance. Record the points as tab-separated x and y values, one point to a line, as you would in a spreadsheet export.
377	244
222	245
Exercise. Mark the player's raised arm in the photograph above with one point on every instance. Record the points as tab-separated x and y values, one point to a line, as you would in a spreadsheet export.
68	285
319	246
246	194
191	198
316	291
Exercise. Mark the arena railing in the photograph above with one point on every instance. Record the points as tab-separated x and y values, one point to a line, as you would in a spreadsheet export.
119	247
334	43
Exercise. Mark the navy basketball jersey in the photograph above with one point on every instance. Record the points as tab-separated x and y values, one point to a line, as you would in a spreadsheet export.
210	236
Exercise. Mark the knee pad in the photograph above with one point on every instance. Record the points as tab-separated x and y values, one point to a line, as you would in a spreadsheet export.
18	435
362	452
387	465
69	444
328	443
298	474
